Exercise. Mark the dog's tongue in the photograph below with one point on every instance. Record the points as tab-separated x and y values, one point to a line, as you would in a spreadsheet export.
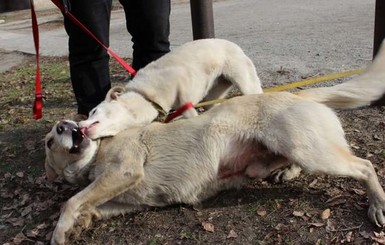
83	130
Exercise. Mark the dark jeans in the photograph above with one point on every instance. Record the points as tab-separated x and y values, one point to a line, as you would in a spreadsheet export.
148	23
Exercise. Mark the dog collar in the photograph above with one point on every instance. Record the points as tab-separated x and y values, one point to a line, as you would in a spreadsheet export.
178	111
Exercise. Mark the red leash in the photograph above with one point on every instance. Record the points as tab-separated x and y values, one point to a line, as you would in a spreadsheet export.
38	104
178	112
59	4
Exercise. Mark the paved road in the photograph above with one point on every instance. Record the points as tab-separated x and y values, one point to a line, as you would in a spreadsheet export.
302	37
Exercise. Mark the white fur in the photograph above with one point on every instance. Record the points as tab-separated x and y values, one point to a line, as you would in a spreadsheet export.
199	70
190	160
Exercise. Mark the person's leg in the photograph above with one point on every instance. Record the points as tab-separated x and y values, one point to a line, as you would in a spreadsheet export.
89	62
149	25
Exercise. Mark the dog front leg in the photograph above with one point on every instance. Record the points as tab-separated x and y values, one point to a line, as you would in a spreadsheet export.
111	183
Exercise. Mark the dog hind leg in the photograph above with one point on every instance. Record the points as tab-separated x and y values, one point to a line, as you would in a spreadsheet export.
219	91
241	71
340	161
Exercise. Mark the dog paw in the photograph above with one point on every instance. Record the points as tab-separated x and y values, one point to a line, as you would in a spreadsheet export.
58	237
376	214
85	219
286	174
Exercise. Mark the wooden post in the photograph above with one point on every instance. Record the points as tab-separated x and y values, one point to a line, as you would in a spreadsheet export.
202	18
379	25
379	34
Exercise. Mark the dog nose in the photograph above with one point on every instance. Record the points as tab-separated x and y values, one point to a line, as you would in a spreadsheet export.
62	126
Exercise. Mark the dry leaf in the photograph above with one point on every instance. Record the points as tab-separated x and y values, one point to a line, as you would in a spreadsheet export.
42	226
364	234
336	201
16	221
359	191
19	238
7	175
312	184
20	174
380	240
325	214
26	210
24	199
261	212
232	234
349	236
317	224
277	204
298	213
208	226
32	233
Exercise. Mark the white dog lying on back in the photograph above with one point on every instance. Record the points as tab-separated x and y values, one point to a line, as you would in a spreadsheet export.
189	160
199	70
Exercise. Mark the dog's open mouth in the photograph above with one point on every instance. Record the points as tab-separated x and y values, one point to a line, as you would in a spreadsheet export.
77	139
85	129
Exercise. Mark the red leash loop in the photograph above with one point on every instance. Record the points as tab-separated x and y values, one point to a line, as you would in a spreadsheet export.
38	104
178	112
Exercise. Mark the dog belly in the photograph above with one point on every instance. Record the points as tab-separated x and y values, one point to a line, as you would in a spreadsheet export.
249	159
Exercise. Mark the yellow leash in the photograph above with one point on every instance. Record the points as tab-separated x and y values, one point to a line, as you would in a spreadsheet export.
288	86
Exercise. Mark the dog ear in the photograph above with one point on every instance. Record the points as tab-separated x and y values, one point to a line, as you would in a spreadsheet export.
114	93
49	171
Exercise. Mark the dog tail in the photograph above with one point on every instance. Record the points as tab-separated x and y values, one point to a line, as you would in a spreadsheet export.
363	90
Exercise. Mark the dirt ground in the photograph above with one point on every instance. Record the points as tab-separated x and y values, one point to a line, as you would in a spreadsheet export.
308	210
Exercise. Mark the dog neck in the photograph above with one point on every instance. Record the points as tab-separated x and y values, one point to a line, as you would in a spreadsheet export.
77	172
161	111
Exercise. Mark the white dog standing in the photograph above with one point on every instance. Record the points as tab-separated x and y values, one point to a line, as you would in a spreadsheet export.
199	70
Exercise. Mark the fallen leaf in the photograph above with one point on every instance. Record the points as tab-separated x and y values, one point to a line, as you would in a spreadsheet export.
364	234
16	221
378	237
317	224
20	174
232	234
208	226
359	191
42	226
298	213
330	226
25	198
261	212
7	175
26	210
349	236
19	238
325	214
334	201
277	204
313	183
32	233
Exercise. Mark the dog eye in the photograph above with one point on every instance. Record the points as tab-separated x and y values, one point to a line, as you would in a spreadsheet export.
92	112
49	143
